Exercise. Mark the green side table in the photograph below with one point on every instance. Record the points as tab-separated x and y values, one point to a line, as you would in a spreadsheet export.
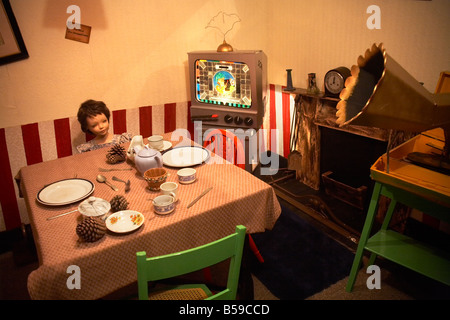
397	247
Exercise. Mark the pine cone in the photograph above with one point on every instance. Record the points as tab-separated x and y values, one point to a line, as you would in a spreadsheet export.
91	229
116	154
118	203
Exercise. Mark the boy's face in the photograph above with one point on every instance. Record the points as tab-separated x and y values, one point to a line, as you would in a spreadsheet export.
98	125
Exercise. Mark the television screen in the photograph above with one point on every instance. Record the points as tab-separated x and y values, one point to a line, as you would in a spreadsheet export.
223	83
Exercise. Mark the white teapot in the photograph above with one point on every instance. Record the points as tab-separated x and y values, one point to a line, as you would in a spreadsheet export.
147	158
137	143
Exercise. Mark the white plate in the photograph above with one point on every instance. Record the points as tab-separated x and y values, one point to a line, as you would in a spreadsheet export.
124	221
167	145
65	192
94	207
185	156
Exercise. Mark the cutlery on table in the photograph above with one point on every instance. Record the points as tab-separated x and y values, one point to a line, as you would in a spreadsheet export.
102	179
91	201
199	197
62	214
127	183
114	169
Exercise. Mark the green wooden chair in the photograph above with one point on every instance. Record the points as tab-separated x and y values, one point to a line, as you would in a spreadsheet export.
180	263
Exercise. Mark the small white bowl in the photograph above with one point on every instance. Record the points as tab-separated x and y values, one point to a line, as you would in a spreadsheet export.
187	175
164	204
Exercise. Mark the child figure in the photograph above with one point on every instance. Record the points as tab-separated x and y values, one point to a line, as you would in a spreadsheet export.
93	117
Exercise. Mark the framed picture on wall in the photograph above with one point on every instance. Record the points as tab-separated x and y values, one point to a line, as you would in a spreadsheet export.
12	47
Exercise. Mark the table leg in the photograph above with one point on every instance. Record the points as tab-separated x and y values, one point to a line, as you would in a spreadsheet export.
371	213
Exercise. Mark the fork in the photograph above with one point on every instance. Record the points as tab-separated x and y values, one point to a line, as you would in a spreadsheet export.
127	183
115	169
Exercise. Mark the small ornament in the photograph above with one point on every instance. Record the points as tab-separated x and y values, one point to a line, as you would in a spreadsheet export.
312	86
118	203
289	86
116	154
91	229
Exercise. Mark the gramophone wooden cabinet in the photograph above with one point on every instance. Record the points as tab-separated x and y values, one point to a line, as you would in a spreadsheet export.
414	186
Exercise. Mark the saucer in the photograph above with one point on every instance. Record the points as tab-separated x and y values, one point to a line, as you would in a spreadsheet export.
167	145
124	221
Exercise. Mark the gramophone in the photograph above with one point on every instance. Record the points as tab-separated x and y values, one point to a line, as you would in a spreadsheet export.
380	93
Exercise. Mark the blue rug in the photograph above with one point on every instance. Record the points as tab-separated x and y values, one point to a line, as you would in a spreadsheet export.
299	259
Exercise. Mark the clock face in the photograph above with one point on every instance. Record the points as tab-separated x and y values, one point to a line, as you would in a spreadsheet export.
334	82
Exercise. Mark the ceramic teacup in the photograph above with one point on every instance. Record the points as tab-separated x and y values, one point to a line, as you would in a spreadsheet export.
187	175
155	177
171	189
163	204
156	142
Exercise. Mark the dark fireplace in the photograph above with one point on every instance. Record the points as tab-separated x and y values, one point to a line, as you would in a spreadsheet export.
348	158
327	174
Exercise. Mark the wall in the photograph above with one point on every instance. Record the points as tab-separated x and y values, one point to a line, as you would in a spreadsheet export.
315	36
137	51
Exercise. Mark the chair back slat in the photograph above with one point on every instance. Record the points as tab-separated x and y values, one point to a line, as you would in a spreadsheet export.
184	262
227	145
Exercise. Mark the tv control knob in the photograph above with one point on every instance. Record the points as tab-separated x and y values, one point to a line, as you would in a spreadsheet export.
248	121
228	119
238	120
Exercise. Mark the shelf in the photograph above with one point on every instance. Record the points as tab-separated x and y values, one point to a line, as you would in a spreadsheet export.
412	254
304	92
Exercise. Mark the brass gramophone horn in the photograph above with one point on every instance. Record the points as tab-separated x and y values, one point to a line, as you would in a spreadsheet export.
380	93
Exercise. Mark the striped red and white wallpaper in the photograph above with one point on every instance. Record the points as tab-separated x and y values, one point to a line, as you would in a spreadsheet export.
43	141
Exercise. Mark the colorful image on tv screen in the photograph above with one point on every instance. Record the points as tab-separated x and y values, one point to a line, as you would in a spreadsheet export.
223	83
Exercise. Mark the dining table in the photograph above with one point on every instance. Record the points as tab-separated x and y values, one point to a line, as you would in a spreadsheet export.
103	266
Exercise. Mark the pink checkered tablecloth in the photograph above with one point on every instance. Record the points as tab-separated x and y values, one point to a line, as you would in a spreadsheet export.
109	264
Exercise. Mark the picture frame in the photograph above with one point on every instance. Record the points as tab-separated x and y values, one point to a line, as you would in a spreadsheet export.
12	46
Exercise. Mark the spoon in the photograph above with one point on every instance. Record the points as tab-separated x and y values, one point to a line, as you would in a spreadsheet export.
127	183
91	201
102	179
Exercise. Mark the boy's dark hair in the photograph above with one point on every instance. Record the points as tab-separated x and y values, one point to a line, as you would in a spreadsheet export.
91	108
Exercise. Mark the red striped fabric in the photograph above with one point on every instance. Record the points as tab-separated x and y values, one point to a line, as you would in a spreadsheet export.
170	117
8	201
89	137
273	119
286	123
119	121
145	121
263	140
190	124
31	143
62	136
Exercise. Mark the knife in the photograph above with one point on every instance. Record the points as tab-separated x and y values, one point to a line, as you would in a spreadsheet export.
199	197
60	215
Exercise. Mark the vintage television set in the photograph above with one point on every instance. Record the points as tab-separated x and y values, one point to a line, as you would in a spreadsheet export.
228	89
